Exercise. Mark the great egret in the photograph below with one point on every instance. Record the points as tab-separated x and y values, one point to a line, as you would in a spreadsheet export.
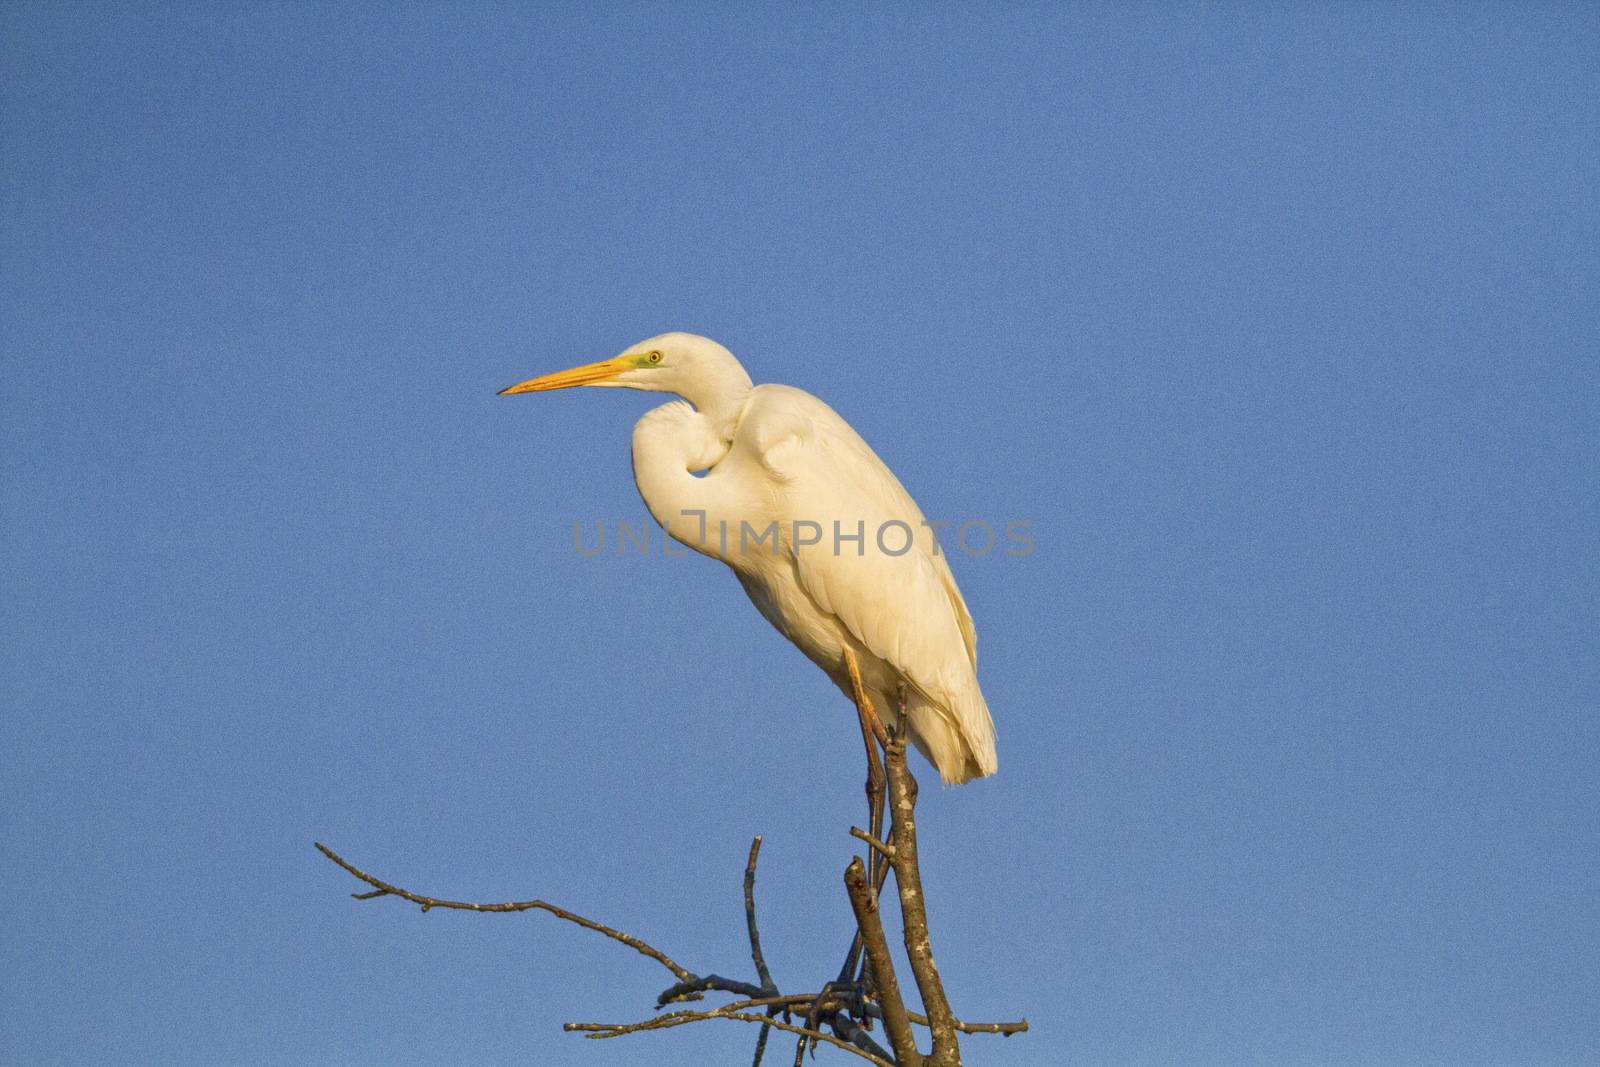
824	539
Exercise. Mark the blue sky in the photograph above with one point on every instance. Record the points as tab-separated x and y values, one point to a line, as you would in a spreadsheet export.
1278	326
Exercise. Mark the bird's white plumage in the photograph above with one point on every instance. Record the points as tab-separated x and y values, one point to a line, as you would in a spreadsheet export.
773	456
900	610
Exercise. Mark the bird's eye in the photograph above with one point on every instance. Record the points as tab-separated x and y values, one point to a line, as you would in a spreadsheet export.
655	357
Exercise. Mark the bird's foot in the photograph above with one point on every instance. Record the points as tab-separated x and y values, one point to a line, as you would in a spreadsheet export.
851	996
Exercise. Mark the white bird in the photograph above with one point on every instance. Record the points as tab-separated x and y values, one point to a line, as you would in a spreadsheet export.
787	488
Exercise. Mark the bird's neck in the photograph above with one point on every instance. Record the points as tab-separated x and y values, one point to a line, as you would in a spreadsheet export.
674	441
720	399
670	444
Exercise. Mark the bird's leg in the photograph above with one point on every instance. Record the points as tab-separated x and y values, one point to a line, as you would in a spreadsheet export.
873	735
879	872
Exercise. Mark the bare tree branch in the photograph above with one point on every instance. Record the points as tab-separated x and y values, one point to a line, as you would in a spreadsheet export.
839	1004
760	961
1003	1029
761	1044
671	1019
428	903
756	957
885	850
696	986
913	911
865	904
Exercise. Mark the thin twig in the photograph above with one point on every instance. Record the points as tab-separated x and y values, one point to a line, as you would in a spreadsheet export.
600	1031
824	1006
750	918
1003	1029
760	960
861	835
784	1002
427	903
761	1045
1021	1026
695	986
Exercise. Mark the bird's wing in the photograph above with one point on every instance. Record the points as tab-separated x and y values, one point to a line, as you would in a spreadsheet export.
969	632
905	608
797	434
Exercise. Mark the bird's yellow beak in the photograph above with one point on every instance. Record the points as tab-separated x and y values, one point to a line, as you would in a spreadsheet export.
587	374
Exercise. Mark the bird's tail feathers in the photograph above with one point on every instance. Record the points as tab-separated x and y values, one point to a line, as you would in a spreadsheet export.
958	741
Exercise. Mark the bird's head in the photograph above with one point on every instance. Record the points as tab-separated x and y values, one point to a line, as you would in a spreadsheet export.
681	363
